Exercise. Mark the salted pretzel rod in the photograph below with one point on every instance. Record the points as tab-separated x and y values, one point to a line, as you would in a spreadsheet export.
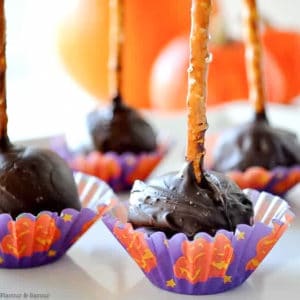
116	38
253	56
197	81
3	115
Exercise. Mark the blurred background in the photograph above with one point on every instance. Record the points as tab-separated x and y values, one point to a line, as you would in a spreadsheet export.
57	55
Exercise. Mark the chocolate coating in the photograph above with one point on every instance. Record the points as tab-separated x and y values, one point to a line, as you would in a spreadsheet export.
176	203
33	180
120	128
256	144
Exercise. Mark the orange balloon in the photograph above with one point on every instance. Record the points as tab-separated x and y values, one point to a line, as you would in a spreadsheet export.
149	25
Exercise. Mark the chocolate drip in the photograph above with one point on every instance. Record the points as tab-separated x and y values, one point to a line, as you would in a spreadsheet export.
175	203
256	144
120	128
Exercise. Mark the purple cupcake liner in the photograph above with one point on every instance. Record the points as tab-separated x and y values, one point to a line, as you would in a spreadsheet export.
206	265
31	241
118	170
277	181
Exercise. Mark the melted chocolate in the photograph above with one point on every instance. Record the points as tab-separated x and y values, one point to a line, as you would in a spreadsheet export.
176	203
256	144
120	128
33	180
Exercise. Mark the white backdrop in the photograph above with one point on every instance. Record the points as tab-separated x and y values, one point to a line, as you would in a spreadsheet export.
284	13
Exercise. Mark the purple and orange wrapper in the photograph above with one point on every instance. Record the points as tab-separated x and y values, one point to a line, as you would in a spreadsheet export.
30	241
207	264
277	181
118	170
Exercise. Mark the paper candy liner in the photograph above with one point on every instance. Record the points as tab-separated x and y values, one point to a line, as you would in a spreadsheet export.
118	170
277	181
31	241
206	265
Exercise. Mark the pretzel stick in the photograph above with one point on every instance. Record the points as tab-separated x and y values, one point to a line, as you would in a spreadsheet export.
116	38
3	115
253	56
197	81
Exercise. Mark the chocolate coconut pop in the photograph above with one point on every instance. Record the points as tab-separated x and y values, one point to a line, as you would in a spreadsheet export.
119	128
191	200
256	143
31	180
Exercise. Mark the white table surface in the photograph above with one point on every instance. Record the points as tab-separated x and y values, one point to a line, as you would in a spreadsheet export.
97	267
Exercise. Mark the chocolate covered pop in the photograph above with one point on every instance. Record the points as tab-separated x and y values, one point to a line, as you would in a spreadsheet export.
256	143
119	128
31	180
192	200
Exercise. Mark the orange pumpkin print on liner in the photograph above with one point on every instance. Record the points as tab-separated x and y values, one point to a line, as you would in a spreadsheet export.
27	237
134	242
193	265
265	245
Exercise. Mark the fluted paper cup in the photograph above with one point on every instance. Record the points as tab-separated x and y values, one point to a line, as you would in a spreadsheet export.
30	241
276	181
207	264
118	170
